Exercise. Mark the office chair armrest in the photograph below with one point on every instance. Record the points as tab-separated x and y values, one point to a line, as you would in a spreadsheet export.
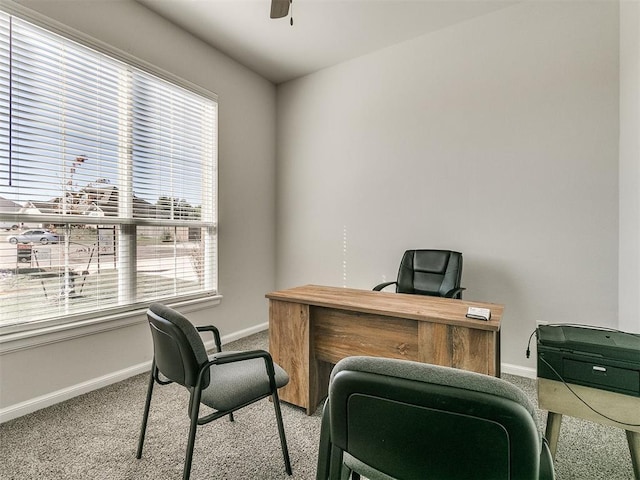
216	334
379	287
454	292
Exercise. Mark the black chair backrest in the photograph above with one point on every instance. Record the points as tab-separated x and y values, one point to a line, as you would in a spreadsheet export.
429	272
431	422
177	346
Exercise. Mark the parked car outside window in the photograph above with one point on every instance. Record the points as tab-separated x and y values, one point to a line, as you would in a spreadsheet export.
8	225
36	236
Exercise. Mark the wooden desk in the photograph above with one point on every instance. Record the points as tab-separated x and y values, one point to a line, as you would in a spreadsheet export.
312	327
558	400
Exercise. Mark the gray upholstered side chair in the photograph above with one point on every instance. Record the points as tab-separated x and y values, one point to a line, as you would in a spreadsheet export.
436	273
390	419
224	381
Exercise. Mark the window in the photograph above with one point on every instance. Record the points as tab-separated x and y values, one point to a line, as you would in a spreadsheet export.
107	182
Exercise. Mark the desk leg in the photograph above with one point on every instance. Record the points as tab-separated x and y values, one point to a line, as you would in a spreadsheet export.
498	350
633	438
552	432
289	345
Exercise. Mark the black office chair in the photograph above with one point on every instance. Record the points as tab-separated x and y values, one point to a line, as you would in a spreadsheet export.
225	381
436	273
391	419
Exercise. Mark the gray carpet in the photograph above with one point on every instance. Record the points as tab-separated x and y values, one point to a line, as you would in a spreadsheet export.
94	436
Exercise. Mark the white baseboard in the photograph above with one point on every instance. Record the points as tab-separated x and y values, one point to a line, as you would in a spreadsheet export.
43	401
519	370
31	405
244	333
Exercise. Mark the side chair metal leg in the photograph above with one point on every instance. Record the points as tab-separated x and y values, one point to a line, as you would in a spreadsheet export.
283	439
190	443
145	416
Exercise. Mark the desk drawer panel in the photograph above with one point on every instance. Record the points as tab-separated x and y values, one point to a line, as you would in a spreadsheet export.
458	347
338	334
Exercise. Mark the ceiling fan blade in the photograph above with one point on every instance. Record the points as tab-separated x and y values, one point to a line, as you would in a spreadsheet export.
279	8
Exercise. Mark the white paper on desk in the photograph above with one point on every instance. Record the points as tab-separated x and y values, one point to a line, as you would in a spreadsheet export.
479	313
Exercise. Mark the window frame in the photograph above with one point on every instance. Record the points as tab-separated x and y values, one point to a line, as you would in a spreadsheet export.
123	315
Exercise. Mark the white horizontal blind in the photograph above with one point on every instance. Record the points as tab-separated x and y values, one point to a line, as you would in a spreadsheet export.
64	121
172	143
117	163
5	104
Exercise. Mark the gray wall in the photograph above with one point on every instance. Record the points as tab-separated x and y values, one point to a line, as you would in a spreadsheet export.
629	277
497	137
246	208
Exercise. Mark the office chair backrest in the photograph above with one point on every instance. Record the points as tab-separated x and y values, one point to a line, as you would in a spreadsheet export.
178	349
412	420
429	272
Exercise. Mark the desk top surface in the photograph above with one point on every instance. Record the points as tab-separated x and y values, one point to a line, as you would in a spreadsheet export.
416	307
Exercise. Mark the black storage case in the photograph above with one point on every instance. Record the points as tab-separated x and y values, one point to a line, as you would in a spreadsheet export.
604	359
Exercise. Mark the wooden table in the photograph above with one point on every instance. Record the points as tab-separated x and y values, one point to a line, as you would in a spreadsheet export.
558	400
312	327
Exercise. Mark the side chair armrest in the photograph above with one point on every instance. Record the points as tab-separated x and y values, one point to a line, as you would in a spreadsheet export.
240	356
379	287
216	334
248	355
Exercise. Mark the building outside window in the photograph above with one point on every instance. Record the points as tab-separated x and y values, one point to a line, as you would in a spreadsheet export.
107	182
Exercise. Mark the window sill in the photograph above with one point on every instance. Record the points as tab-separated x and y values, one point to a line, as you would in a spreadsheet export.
57	333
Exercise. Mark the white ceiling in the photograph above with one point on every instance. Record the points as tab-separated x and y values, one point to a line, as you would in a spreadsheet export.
324	33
